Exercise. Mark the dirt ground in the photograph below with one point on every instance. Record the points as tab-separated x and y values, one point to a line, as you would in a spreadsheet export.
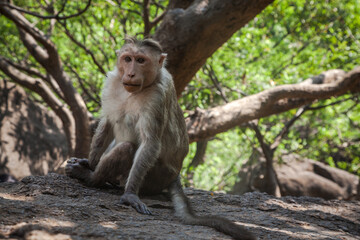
57	207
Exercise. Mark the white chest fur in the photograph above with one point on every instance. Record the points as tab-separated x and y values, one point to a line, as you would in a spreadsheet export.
123	110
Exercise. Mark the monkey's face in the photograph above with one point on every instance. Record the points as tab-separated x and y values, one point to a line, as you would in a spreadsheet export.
138	68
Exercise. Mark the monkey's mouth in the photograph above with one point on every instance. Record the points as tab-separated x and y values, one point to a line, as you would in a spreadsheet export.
131	85
131	88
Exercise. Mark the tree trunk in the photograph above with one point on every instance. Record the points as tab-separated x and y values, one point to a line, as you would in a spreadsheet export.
192	34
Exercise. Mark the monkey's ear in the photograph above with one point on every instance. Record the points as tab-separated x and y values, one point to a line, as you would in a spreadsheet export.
117	52
162	58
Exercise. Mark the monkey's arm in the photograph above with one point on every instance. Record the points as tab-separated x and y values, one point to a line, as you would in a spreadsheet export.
103	136
145	158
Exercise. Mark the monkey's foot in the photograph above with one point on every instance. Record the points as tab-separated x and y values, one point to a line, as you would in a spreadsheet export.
78	168
134	201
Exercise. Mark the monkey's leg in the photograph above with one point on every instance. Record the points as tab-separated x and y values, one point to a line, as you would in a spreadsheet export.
144	160
82	168
116	162
100	142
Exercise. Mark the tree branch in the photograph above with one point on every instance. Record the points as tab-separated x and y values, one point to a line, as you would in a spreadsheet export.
145	16
56	16
88	51
85	90
49	58
271	183
35	72
287	126
212	75
157	19
22	23
206	123
24	68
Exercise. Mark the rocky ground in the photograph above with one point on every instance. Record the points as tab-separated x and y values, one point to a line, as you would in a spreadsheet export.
57	207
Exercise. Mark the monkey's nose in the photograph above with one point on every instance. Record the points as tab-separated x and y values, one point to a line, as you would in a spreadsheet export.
131	75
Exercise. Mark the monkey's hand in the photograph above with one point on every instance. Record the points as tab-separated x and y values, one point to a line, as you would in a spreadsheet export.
82	161
134	201
78	168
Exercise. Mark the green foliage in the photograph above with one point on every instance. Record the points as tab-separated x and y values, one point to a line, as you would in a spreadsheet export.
223	160
287	43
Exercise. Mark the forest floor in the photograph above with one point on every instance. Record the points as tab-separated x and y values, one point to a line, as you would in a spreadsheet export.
57	207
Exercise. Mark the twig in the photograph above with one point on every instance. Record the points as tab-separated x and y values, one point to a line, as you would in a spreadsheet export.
85	90
332	104
285	130
56	16
214	79
88	51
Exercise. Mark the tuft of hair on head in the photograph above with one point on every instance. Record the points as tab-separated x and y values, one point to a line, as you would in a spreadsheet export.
147	42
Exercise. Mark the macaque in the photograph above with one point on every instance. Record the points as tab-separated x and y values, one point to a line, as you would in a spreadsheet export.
141	140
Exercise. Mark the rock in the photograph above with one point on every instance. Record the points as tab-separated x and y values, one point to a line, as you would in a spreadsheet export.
57	207
31	138
305	177
300	177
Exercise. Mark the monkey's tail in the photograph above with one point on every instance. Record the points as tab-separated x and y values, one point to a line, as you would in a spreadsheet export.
184	211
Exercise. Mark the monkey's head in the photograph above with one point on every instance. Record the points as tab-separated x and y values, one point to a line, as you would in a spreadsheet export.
139	63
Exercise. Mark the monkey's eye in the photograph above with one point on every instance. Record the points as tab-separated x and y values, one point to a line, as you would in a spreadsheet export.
140	60
127	59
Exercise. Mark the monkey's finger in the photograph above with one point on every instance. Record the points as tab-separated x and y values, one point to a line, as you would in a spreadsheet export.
146	210
72	160
138	208
141	208
84	162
